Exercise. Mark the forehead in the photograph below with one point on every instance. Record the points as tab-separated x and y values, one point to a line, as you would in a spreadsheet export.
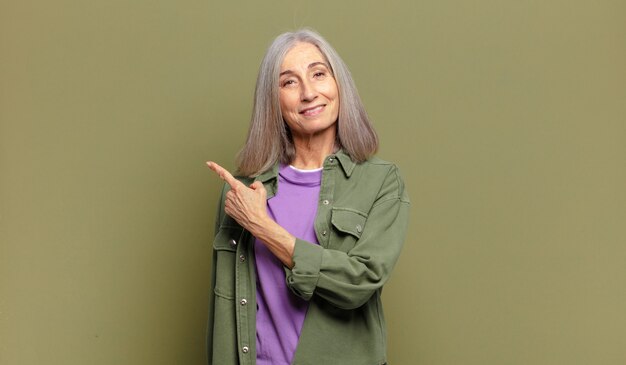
302	55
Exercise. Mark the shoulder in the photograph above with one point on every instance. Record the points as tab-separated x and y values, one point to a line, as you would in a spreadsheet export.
379	163
387	174
376	166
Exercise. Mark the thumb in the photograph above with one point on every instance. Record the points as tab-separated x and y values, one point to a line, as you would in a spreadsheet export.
258	186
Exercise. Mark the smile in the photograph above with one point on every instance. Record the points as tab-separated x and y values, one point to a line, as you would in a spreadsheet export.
312	111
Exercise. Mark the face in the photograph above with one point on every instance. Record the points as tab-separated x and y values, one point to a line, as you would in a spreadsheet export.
309	98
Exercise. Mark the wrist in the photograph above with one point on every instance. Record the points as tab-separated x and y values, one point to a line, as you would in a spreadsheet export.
261	225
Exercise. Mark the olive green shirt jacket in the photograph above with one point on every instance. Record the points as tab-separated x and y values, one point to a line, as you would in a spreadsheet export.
361	224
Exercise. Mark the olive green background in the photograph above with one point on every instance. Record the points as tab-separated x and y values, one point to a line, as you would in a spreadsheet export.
507	119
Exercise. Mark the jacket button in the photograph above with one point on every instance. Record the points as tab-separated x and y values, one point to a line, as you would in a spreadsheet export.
325	202
233	242
243	301
324	233
245	349
359	228
331	160
242	258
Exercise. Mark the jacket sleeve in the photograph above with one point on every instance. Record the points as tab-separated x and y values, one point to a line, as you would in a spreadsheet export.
219	215
348	279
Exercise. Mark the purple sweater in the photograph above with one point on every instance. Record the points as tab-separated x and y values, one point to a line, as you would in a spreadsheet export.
280	313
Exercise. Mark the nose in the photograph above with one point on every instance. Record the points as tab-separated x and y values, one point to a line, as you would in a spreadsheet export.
308	92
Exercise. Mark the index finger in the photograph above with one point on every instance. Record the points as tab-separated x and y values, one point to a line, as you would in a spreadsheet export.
224	174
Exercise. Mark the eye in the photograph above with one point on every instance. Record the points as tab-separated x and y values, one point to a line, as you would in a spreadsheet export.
319	74
288	82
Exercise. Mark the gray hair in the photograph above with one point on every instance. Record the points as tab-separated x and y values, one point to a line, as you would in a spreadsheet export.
269	138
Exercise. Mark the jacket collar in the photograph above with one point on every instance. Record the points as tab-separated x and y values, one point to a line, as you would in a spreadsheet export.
268	174
346	163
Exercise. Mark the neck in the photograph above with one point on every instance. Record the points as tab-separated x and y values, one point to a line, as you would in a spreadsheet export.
310	153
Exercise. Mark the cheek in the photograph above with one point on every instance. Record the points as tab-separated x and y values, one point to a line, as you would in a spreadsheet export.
288	104
330	91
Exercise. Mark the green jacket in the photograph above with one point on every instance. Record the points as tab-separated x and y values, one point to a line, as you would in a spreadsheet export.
361	224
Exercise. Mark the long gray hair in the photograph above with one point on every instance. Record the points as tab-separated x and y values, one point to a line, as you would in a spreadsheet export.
269	139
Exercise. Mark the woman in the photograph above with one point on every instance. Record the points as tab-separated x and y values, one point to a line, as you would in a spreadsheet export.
310	231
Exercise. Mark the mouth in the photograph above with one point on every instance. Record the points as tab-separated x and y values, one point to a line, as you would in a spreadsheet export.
314	110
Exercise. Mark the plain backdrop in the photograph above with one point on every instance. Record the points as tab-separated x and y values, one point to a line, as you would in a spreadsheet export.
506	118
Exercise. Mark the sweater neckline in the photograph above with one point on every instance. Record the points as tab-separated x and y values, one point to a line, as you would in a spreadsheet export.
300	177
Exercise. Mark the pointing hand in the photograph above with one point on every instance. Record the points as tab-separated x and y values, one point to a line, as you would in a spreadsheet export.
247	205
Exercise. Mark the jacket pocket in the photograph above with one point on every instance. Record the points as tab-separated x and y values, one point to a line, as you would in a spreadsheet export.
348	225
225	244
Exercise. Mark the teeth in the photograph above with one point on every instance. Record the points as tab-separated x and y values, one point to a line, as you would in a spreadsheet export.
310	111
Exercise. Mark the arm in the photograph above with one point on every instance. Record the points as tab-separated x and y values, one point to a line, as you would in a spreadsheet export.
248	206
280	242
348	279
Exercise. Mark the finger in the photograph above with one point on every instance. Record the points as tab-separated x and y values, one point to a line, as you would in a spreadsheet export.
224	174
228	211
228	203
231	198
256	185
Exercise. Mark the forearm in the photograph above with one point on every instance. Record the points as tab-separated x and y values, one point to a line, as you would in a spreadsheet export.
280	242
347	279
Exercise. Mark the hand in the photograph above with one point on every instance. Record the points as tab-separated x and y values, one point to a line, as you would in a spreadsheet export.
246	205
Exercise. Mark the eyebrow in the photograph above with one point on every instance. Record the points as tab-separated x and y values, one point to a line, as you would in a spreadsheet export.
310	66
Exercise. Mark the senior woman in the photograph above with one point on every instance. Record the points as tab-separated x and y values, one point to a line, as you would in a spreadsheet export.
309	231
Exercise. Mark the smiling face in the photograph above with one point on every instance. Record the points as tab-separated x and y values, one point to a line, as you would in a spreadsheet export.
309	98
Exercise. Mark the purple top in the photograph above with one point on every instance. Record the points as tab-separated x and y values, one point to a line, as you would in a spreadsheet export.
280	313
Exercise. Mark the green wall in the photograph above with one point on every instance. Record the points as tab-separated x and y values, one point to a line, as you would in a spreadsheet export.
507	119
